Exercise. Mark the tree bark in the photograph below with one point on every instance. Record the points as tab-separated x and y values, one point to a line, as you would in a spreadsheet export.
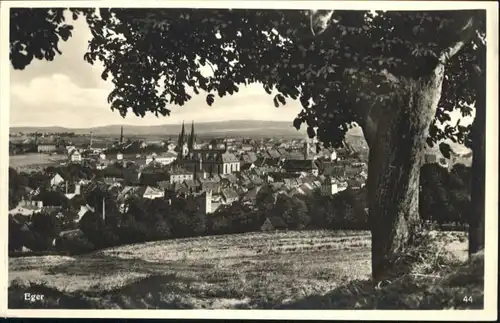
396	140
478	180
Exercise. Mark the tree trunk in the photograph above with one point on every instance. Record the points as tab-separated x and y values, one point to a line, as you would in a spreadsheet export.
397	139
478	180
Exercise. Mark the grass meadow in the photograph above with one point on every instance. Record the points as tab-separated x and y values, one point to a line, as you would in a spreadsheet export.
35	160
255	270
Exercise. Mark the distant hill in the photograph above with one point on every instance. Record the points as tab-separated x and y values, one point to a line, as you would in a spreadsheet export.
236	126
239	127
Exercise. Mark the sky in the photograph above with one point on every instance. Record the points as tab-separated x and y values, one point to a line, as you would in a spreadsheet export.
69	92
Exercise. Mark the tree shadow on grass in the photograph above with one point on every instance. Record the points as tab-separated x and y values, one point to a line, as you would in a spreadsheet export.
407	292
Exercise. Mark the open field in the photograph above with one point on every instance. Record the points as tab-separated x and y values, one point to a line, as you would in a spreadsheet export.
34	160
255	270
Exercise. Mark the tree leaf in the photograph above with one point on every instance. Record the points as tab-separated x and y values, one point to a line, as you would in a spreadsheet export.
210	99
445	150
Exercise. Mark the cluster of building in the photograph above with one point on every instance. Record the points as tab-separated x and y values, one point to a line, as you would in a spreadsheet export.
216	173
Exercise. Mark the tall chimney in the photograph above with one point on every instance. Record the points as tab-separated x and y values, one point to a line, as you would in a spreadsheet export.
91	139
103	210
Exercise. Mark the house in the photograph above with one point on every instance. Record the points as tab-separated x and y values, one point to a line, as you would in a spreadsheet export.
356	184
299	166
230	195
329	187
26	208
149	192
76	192
163	158
47	148
230	163
56	179
70	148
119	156
342	186
102	164
273	223
171	146
84	209
179	175
247	147
250	198
75	156
209	185
98	147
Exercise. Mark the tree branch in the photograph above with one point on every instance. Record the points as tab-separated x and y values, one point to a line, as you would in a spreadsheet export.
464	36
211	66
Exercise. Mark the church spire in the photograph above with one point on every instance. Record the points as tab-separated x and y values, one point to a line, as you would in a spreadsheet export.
180	143
191	138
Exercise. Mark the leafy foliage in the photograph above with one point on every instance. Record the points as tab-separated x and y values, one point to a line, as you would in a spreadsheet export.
445	196
155	58
17	182
36	32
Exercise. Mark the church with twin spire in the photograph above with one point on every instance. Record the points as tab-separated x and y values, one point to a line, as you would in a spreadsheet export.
204	161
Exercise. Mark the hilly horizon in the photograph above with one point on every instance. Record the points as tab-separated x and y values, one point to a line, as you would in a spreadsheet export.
245	128
241	127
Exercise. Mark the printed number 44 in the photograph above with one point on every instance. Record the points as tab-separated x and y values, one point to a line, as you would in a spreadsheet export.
467	299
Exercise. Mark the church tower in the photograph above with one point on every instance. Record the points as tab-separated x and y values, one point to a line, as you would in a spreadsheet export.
192	138
180	142
208	202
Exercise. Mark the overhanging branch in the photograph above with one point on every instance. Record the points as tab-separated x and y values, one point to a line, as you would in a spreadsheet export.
465	35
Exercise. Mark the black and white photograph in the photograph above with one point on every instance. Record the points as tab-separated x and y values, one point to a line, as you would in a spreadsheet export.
250	156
